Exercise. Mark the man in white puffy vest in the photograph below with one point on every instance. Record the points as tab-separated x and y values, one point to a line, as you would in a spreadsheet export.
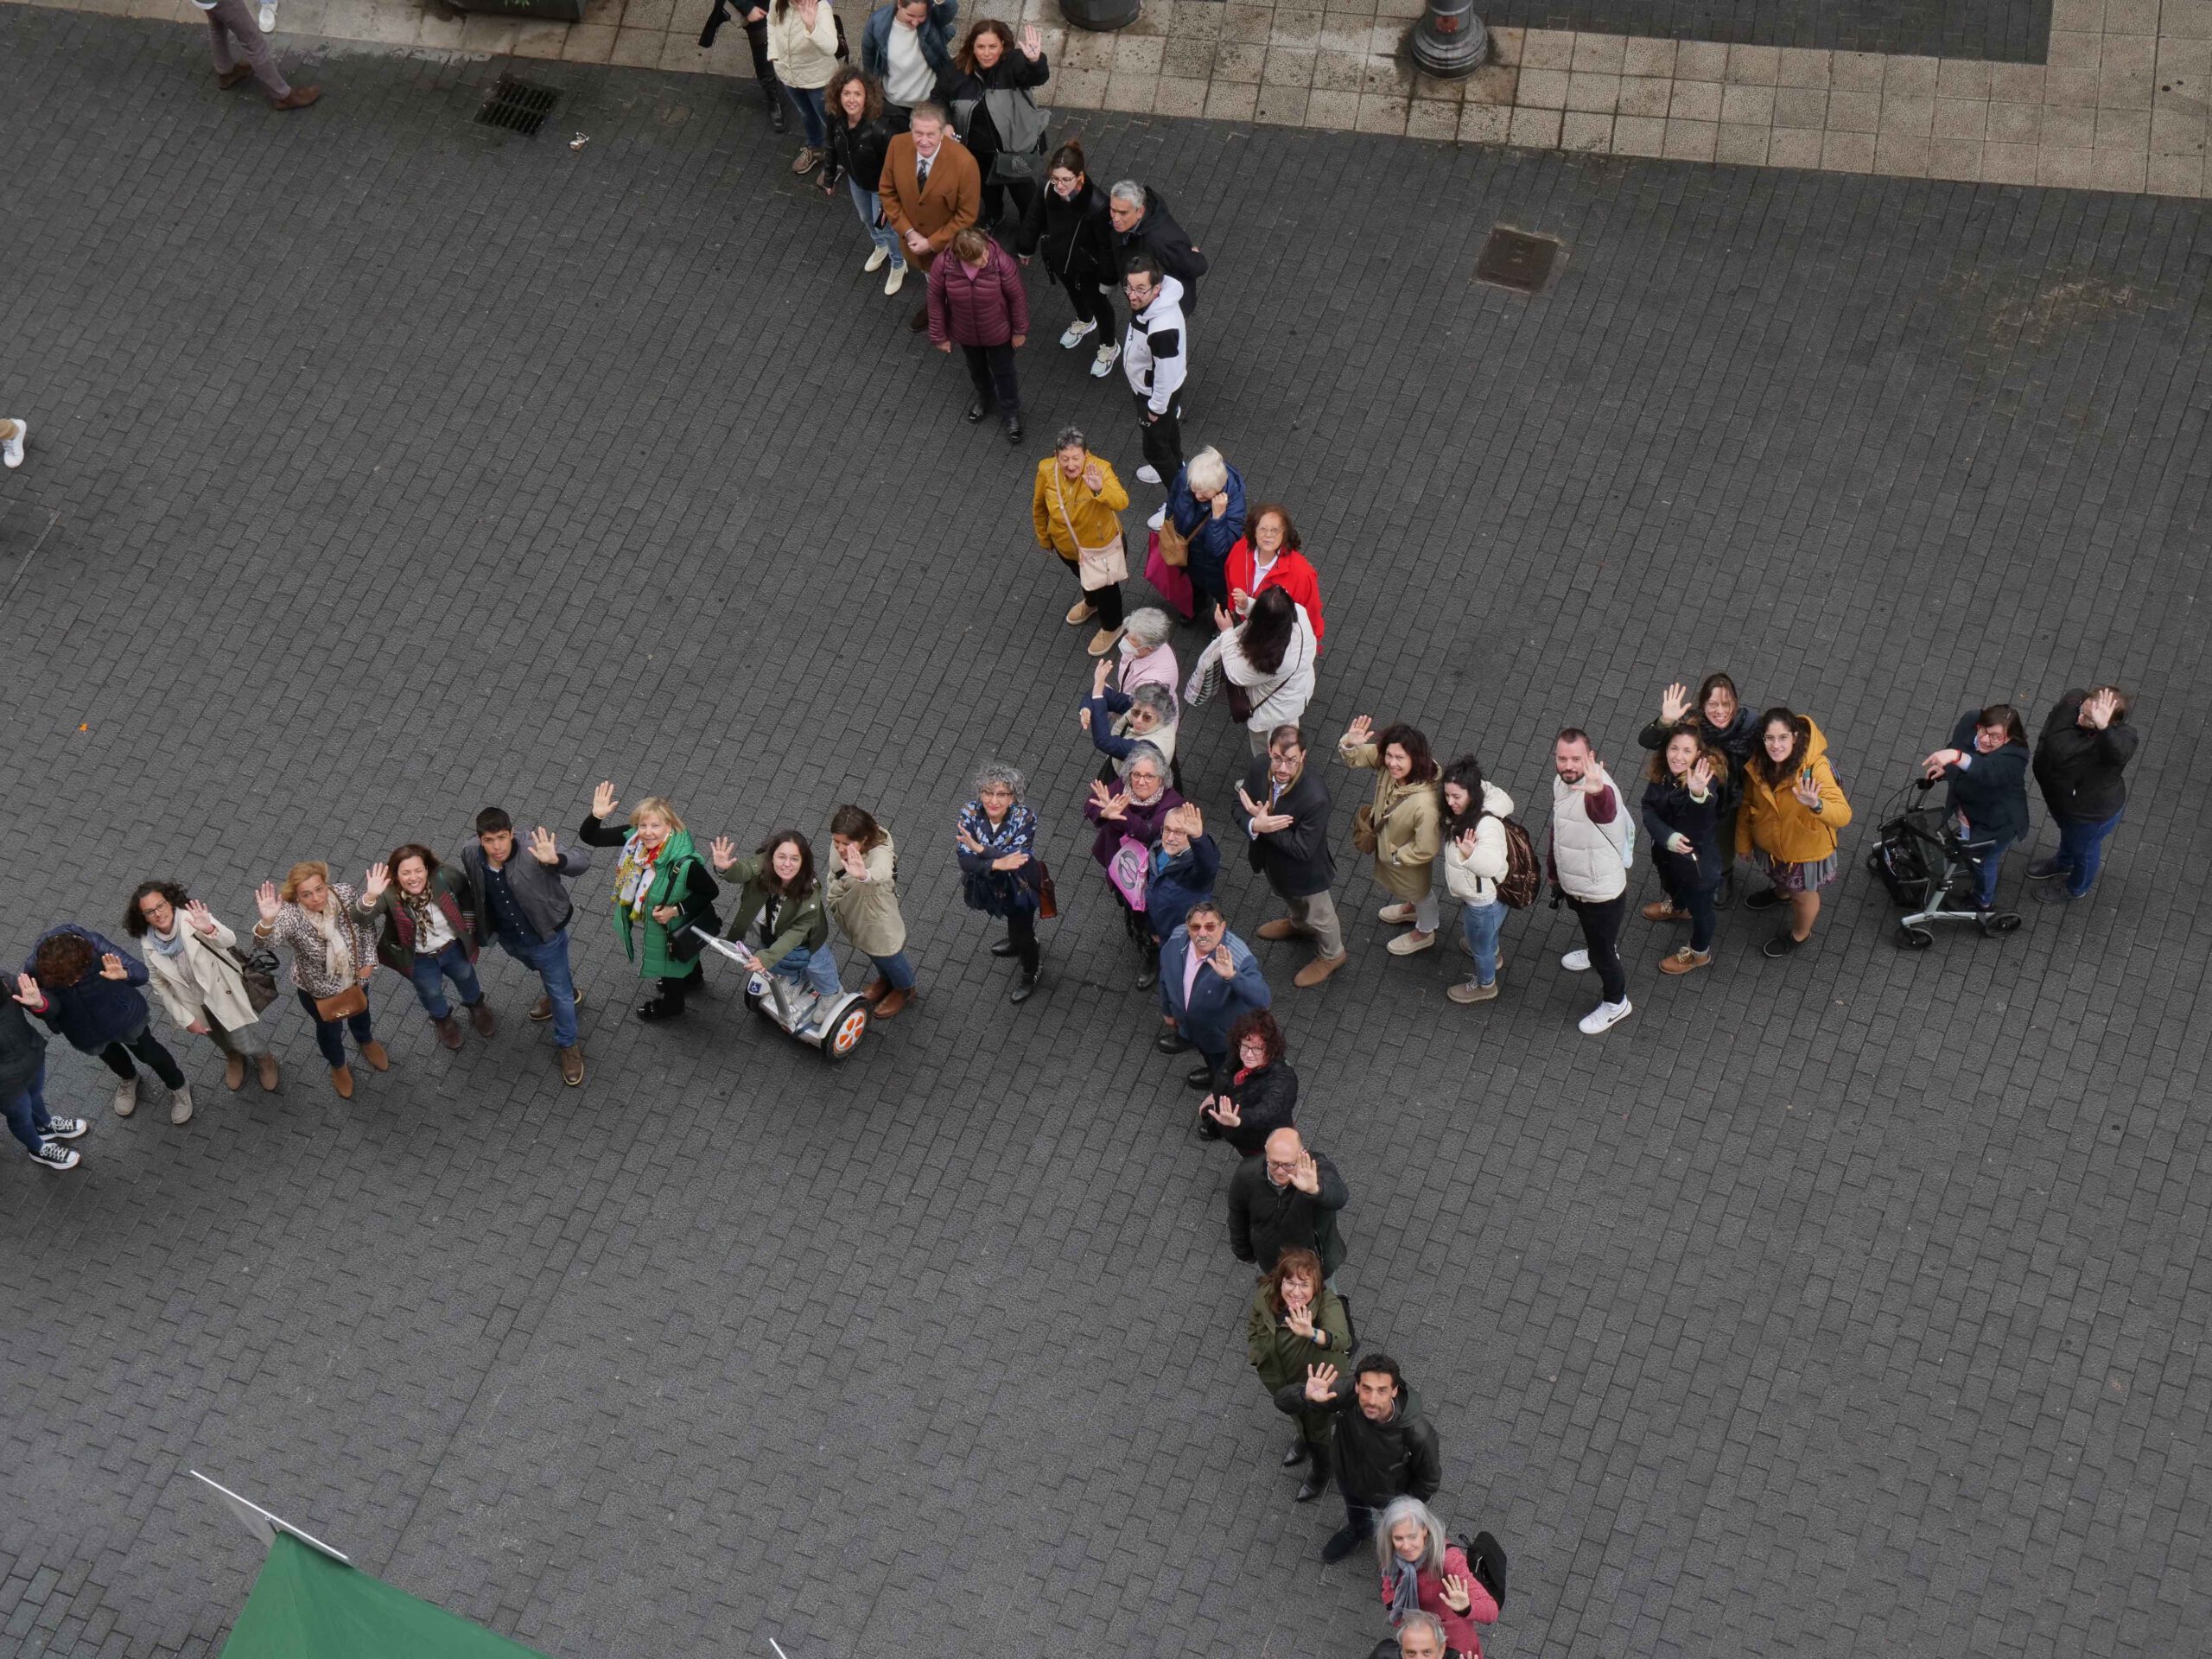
1592	844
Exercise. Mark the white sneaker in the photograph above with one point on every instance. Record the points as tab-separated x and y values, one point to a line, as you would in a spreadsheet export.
268	16
1576	962
875	260
1076	330
1605	1016
1102	365
181	1105
1148	473
896	280
126	1096
1159	516
11	450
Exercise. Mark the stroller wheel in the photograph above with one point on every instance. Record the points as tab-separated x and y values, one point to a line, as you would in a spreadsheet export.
1999	921
1914	938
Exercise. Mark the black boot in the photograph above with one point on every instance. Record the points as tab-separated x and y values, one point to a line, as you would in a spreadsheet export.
772	91
1317	1482
1026	986
1298	1454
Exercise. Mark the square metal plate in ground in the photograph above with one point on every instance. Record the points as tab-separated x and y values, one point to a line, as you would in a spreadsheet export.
1515	259
516	106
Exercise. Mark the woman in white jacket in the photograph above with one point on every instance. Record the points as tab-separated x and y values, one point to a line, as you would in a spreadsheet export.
193	961
1474	863
802	45
1268	658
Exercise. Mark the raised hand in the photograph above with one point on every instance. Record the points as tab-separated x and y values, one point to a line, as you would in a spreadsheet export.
27	993
1197	819
723	851
856	865
1299	1318
1361	731
1033	47
1675	705
266	901
200	917
1806	792
1116	806
1222	962
2099	708
543	848
1467	844
1223	1111
604	801
1102	673
1700	776
112	967
379	878
1320	1383
1307	1178
1456	1596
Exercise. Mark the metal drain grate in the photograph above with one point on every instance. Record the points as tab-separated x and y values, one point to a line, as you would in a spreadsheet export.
516	106
1515	259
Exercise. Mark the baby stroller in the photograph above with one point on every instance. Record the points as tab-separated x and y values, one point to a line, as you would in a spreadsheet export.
1928	868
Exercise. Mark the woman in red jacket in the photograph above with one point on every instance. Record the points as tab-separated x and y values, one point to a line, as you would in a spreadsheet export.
1269	558
1423	1571
976	303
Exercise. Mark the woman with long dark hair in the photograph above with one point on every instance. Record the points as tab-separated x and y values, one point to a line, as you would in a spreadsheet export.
858	133
1792	807
1402	828
803	42
990	60
1476	859
1069	218
1268	659
781	894
863	897
1725	724
1682	785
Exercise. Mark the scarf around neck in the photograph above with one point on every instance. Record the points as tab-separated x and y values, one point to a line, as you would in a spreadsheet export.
167	944
1405	1587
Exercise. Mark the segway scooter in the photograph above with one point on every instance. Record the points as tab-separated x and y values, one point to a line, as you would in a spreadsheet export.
834	1025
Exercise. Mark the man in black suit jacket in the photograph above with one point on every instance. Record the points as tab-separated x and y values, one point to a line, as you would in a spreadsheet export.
1286	821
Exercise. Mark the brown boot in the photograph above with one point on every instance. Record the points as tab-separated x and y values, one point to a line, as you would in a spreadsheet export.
1281	928
1319	969
231	76
374	1054
572	1065
298	99
341	1079
892	1002
875	990
1685	960
268	1079
448	1033
480	1017
234	1071
1662	910
542	1009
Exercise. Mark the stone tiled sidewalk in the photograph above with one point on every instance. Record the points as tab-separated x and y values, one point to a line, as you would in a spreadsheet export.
2121	104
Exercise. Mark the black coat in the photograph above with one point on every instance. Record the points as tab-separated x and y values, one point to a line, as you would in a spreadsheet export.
1296	862
1374	1462
2079	769
1669	809
1077	235
1993	791
1265	1102
857	151
1265	1220
1011	71
23	1049
1157	234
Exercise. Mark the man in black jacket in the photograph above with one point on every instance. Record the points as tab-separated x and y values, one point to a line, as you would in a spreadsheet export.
2085	745
1286	1198
1382	1448
1143	224
1286	823
522	902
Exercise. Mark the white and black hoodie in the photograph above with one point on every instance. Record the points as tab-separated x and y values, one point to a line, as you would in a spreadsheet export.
1157	354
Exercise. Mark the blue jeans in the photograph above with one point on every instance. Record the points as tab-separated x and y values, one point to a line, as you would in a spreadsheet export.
1985	873
27	1115
2082	848
452	963
1481	923
808	101
549	960
809	967
326	1036
898	972
870	207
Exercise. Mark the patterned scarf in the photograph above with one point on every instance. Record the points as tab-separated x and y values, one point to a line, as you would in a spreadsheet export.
421	909
634	876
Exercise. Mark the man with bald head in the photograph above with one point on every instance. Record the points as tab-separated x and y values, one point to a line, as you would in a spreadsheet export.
1286	1198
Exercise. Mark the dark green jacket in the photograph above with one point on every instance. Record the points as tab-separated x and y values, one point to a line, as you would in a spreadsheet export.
803	921
1279	1355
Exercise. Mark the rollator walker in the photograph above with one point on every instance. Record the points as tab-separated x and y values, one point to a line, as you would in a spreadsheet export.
1926	865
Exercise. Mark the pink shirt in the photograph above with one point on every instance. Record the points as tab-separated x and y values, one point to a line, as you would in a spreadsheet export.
1155	667
1190	975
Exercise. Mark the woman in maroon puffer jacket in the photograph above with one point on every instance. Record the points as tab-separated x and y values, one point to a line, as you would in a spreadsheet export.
976	303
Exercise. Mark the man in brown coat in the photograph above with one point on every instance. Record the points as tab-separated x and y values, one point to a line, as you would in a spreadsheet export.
931	191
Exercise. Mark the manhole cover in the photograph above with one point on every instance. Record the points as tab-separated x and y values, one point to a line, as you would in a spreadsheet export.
516	106
1515	259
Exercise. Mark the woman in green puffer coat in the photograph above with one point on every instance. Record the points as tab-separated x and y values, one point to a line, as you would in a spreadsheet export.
1297	1321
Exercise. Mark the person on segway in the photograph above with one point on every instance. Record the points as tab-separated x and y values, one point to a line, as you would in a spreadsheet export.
781	907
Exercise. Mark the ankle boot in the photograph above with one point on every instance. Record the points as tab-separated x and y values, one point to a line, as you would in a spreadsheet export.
1317	1475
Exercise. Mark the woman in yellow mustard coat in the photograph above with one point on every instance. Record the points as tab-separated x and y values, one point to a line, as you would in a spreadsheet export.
1792	807
1076	506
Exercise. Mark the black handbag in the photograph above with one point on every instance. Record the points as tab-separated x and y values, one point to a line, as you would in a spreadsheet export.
686	934
257	974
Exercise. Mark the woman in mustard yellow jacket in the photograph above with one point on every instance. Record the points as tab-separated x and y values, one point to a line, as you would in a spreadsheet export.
1075	504
1792	807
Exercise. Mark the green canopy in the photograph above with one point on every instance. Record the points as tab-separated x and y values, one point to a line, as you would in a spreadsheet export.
305	1605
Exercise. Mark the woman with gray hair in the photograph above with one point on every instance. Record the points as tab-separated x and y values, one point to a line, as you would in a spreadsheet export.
1119	721
1205	504
1426	1576
1076	506
1000	872
1130	816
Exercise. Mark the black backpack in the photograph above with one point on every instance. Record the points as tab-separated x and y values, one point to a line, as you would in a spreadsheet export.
1486	1559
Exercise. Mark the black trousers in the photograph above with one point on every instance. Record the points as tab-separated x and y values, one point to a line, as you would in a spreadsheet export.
994	199
991	367
148	1047
1163	439
756	36
1106	600
1601	936
1021	931
1090	305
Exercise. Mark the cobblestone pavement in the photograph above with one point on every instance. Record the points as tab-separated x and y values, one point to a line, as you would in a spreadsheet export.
382	467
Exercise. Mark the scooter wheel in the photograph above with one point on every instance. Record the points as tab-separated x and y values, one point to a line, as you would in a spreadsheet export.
1915	938
845	1035
1998	922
